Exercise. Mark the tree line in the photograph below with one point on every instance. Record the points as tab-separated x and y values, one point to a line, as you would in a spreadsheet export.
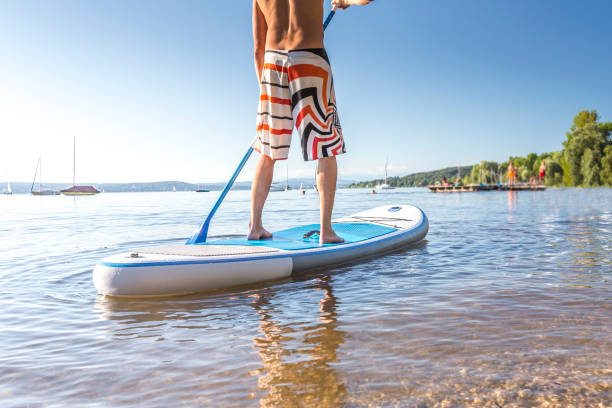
584	161
418	179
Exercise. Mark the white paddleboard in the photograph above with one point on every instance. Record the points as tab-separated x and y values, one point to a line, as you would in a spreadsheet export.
182	269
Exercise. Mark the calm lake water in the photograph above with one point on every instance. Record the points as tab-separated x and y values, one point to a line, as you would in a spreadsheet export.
508	302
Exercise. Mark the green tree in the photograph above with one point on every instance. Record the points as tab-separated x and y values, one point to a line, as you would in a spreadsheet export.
605	175
485	172
554	173
583	149
503	170
584	118
590	164
491	169
529	163
587	139
567	176
524	174
474	174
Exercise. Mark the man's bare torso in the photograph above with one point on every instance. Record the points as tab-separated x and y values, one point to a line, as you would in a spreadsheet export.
293	24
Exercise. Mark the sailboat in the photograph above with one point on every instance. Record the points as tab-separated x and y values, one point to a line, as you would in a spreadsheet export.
384	185
77	190
41	191
287	186
274	187
201	189
8	188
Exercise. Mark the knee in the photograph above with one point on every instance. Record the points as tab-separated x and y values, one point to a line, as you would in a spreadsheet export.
327	159
327	163
267	161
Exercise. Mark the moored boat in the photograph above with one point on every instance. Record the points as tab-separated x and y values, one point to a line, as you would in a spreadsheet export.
41	191
384	185
80	190
77	190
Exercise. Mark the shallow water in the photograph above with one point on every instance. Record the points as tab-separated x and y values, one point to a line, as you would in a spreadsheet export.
506	303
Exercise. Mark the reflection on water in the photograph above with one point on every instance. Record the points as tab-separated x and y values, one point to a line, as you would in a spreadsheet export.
296	358
298	366
512	200
508	303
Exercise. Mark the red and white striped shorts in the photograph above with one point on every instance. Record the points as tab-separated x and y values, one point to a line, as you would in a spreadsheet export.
297	87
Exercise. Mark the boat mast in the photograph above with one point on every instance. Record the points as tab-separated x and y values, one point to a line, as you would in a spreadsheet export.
35	173
386	163
74	161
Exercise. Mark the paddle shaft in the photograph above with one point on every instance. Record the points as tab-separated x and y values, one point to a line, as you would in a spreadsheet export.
329	18
201	233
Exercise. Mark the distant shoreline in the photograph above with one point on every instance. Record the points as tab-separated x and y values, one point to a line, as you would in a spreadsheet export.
158	186
421	179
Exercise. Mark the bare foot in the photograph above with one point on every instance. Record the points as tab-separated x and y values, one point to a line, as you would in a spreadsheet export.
259	233
330	238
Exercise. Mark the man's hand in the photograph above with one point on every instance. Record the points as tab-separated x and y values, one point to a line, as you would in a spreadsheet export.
344	4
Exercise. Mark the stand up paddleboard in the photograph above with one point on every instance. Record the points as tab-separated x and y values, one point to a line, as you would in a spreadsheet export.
182	269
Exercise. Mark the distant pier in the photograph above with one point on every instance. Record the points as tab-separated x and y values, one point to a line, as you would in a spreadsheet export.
486	187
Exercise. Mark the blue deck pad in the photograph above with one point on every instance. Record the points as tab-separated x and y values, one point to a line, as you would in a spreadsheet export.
293	238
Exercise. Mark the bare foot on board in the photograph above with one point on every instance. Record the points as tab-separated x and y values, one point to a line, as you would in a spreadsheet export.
330	238
259	233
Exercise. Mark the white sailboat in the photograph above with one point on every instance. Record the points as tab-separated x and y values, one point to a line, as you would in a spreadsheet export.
287	186
8	188
201	189
384	185
40	190
274	187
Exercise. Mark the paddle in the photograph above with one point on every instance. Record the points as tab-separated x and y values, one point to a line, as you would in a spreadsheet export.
201	233
329	18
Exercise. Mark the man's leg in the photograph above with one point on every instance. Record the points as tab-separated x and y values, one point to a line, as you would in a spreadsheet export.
264	172
326	181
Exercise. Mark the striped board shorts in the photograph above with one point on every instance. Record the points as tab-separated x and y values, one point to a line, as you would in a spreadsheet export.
297	87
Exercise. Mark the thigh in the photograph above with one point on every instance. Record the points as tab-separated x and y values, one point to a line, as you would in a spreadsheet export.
313	104
274	120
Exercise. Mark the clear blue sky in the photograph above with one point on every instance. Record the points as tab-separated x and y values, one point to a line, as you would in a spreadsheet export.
165	90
